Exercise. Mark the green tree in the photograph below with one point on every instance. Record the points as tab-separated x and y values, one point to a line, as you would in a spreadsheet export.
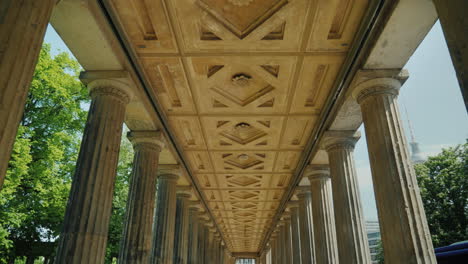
443	180
379	258
33	199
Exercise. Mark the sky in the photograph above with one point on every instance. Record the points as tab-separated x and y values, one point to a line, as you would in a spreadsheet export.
431	97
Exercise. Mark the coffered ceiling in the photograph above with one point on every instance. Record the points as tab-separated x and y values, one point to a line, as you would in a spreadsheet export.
242	83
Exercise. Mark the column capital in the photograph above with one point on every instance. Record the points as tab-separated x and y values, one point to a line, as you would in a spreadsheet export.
340	139
303	191
183	195
317	172
202	216
376	86
168	177
292	204
114	83
193	206
207	223
146	138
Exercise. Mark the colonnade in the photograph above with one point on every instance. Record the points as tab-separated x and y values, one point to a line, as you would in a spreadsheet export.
327	220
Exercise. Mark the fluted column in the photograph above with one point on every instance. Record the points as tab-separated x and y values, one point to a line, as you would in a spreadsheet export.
287	240
210	245
405	234
218	249
295	234
164	220
351	235
84	234
274	250
223	254
306	226
192	255
136	240
181	229
263	257
323	217
22	25
281	244
201	240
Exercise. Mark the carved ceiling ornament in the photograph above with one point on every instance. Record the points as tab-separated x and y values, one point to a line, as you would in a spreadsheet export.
241	17
241	79
240	2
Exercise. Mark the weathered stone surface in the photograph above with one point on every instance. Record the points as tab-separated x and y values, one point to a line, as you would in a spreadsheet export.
86	224
295	233
306	226
274	251
192	254
202	236
326	248
164	222
287	241
405	234
136	240
350	229
22	26
181	229
452	16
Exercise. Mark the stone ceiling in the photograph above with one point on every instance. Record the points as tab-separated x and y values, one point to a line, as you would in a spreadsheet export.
242	83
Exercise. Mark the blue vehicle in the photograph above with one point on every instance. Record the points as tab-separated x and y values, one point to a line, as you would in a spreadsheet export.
453	254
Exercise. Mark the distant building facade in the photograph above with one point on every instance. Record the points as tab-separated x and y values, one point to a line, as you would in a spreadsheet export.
373	236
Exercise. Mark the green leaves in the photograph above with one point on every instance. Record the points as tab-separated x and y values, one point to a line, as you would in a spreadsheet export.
443	180
33	199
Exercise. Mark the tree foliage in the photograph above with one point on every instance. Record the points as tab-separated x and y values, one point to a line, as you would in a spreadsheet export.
443	180
33	198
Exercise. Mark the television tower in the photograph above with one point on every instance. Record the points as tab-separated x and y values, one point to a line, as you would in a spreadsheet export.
416	155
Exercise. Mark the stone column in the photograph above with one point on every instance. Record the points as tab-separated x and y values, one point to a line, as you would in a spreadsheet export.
181	228
210	245
84	234
405	234
306	226
136	240
164	220
288	241
452	16
23	24
281	244
274	251
263	257
201	240
351	235
223	254
295	234
192	255
323	217
216	248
